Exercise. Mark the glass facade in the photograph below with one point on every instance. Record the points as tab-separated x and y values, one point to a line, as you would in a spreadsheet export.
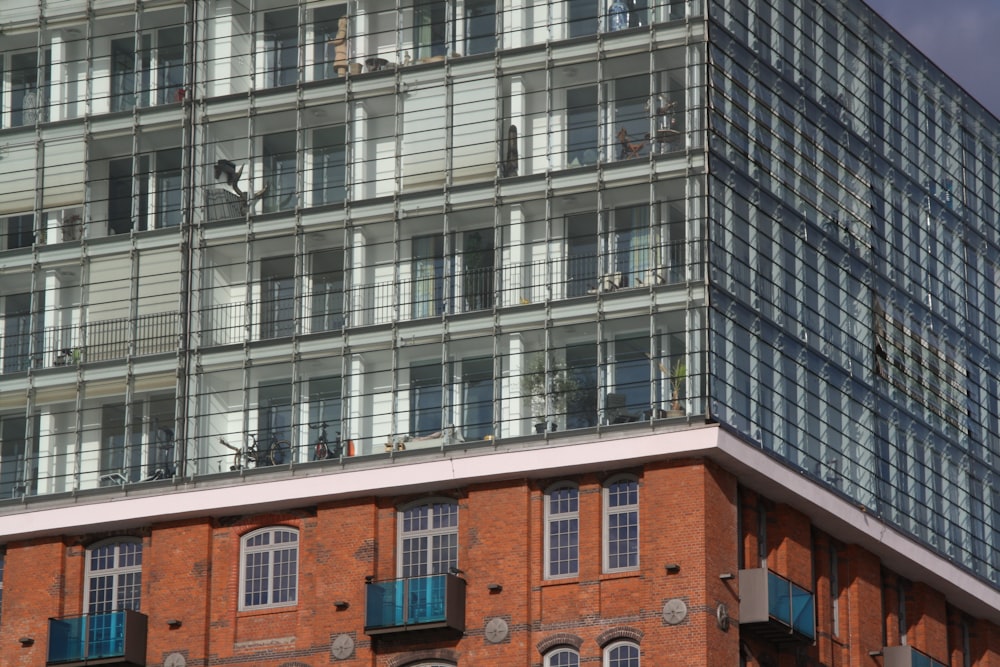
853	322
448	222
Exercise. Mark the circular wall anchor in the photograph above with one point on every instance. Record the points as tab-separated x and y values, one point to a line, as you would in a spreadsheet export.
496	630
674	611
722	617
342	647
175	660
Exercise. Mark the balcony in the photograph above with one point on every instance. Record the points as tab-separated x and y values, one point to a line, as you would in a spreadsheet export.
775	608
415	603
117	638
907	656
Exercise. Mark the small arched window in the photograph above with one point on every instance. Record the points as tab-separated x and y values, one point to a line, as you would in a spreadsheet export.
562	531
114	576
269	571
562	657
621	654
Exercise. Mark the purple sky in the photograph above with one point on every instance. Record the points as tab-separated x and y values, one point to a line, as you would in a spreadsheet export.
961	36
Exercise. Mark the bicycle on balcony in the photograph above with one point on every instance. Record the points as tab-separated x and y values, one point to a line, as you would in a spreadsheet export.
324	449
163	454
278	453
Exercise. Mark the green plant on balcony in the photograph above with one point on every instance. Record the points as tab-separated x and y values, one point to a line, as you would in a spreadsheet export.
678	373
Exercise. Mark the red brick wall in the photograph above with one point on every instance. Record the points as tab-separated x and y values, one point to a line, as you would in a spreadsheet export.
688	516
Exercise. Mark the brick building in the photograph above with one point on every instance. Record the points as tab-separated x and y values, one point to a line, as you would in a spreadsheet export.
433	334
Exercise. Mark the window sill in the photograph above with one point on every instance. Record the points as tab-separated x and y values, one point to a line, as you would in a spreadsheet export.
563	581
628	574
267	611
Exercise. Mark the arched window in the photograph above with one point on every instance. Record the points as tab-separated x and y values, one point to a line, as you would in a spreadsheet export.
621	524
562	531
114	576
621	654
562	657
428	538
270	568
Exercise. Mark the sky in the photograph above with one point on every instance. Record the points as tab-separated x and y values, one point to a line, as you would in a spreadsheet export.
962	37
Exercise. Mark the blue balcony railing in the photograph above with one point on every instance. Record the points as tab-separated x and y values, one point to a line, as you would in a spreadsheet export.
775	607
82	639
399	605
791	604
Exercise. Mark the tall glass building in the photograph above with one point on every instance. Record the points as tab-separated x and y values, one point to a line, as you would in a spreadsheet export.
248	240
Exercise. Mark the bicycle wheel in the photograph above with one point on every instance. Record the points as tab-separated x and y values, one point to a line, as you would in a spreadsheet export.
280	453
322	451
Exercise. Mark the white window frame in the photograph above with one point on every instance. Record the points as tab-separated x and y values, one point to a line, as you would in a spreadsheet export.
271	548
572	654
430	533
550	520
609	658
123	575
617	511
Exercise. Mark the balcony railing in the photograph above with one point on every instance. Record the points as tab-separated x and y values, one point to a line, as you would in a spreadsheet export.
776	608
415	603
116	638
150	334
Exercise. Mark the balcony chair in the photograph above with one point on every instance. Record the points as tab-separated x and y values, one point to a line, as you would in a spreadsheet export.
630	147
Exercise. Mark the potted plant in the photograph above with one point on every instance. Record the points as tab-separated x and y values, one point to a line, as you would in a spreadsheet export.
559	388
677	375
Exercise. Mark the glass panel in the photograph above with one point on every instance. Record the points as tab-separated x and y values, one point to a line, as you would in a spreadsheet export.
803	619
277	297
631	374
477	270
325	34
631	124
117	458
329	160
582	17
384	604
581	124
17	333
170	65
426	596
168	188
581	403
429	28
477	398
123	92
274	419
480	26
325	415
631	261
327	290
20	231
26	96
281	35
18	461
425	411
581	255
428	276
279	172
